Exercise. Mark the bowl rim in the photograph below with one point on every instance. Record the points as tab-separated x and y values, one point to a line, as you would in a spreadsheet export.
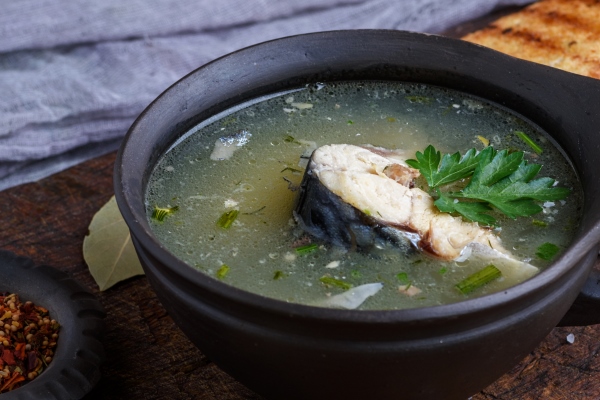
584	242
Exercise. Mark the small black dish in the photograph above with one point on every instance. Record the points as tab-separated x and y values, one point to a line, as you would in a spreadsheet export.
75	368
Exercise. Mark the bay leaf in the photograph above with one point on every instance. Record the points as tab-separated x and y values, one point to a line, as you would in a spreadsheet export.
108	250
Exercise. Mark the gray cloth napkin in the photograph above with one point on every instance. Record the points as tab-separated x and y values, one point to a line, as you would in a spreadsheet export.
75	74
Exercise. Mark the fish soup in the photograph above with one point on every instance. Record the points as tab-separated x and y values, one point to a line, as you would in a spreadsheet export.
225	197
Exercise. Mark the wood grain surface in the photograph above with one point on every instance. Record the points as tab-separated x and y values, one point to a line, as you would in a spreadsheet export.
148	357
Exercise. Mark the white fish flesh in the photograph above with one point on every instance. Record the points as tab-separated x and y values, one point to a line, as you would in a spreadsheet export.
357	196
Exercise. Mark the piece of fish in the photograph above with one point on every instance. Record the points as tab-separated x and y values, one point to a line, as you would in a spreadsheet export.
359	197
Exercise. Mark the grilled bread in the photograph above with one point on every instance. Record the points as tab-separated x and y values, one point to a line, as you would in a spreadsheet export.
563	34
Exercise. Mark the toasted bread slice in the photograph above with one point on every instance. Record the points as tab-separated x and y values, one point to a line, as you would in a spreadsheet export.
560	33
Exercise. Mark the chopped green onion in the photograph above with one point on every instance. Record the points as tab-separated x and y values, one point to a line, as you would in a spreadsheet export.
350	122
277	275
329	281
355	274
537	222
529	142
547	251
403	278
223	271
309	248
227	219
443	270
160	214
478	279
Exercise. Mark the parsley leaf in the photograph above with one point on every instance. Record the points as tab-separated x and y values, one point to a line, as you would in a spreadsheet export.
473	211
439	170
498	178
506	182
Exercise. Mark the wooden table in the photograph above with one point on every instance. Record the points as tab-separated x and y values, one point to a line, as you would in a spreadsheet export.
148	357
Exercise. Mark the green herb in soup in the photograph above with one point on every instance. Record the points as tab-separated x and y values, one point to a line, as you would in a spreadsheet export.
478	279
260	207
501	179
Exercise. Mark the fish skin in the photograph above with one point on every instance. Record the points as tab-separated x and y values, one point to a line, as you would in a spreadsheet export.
327	217
347	199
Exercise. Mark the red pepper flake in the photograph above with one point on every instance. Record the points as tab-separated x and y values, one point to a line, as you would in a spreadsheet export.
28	338
9	384
20	350
7	357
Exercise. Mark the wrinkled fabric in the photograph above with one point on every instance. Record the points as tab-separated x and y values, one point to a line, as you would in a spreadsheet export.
75	74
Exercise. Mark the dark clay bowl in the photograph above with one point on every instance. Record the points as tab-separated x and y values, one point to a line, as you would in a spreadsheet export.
75	367
284	350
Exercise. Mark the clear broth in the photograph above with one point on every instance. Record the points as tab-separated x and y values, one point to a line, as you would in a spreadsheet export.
259	177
